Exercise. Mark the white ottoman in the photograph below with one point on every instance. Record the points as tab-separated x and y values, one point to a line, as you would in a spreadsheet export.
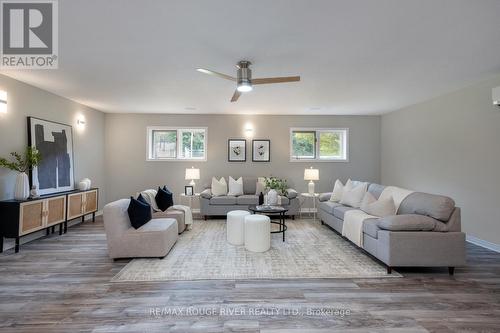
236	226
257	233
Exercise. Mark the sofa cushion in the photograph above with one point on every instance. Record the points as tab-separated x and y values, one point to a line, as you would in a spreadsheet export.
223	200
139	213
371	228
247	199
249	185
409	222
339	211
156	225
436	206
376	190
328	206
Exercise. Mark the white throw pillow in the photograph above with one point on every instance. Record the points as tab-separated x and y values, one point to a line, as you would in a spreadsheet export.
235	186
353	195
380	208
219	187
338	189
260	186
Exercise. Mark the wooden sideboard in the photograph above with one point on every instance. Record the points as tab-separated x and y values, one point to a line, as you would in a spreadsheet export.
20	218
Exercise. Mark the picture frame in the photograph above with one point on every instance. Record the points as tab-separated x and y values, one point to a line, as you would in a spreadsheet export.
236	150
54	141
261	150
189	190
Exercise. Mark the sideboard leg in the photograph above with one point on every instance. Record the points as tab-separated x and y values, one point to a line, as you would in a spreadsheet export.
61	229
1	243
47	231
83	218
93	217
66	226
17	245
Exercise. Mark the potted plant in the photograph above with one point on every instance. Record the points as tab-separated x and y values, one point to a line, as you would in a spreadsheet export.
22	165
276	187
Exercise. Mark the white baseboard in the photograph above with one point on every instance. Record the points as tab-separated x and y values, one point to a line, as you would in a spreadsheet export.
481	242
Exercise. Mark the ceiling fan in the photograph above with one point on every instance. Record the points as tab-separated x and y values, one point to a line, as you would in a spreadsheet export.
244	79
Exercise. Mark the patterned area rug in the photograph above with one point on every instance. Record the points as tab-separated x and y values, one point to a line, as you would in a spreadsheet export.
311	250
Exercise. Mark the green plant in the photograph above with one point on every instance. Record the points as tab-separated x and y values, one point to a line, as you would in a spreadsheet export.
277	184
31	159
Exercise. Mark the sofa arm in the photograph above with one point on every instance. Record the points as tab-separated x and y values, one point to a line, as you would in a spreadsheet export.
206	194
407	222
325	196
291	193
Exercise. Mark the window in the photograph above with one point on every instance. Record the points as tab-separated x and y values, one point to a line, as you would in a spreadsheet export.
177	144
322	144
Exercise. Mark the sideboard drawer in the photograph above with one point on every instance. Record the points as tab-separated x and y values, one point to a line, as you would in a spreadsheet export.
56	210
32	217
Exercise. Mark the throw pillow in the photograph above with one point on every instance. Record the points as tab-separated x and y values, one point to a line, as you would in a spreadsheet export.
164	199
368	199
141	199
352	196
338	189
260	186
219	187
380	208
235	186
139	213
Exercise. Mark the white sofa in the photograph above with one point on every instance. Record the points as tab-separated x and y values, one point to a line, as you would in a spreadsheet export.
154	239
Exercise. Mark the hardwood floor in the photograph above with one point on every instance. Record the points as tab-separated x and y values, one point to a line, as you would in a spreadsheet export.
61	284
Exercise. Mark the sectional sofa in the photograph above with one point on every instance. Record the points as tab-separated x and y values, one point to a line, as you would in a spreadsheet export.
425	231
220	205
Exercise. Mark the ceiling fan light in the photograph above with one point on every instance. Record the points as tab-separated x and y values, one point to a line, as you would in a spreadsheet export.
244	87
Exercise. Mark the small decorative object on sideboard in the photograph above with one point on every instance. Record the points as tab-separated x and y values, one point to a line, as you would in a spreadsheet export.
84	184
22	166
34	192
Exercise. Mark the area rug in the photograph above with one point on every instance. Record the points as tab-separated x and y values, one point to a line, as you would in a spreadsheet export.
311	250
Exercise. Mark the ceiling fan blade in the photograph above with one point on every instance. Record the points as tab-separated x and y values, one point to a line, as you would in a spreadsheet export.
209	72
236	95
276	80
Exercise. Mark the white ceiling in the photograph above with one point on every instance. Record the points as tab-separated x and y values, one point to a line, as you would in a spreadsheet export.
354	56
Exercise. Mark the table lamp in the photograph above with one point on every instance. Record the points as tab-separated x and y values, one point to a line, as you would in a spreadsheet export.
311	175
193	174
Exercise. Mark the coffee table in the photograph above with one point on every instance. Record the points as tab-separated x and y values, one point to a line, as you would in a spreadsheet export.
273	212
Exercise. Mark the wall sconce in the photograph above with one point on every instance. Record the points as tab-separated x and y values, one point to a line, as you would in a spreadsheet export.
3	101
248	129
80	123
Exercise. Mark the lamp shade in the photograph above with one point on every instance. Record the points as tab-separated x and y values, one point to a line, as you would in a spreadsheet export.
192	174
311	174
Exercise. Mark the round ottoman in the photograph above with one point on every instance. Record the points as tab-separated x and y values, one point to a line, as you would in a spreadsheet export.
257	233
236	226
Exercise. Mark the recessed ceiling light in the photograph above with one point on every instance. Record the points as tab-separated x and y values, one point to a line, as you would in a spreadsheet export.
189	108
315	108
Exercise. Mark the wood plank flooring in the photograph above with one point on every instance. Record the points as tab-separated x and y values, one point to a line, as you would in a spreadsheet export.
61	284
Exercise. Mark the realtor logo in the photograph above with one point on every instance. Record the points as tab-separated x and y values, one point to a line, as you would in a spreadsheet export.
29	34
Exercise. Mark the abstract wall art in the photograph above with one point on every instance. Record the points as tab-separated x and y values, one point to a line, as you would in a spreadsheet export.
54	141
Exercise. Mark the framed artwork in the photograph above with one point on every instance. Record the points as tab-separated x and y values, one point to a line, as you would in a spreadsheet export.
261	150
54	141
237	150
189	190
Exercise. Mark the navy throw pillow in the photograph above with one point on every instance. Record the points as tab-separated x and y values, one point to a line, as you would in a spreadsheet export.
139	213
164	199
141	199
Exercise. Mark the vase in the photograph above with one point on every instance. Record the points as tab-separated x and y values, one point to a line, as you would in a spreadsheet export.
22	190
272	197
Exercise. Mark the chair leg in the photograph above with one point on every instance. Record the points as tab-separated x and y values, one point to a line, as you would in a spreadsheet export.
451	270
389	270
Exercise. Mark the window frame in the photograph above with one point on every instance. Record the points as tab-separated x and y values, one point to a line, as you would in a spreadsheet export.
178	144
317	131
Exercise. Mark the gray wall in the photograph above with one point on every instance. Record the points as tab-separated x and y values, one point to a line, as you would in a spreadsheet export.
25	100
127	170
450	145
